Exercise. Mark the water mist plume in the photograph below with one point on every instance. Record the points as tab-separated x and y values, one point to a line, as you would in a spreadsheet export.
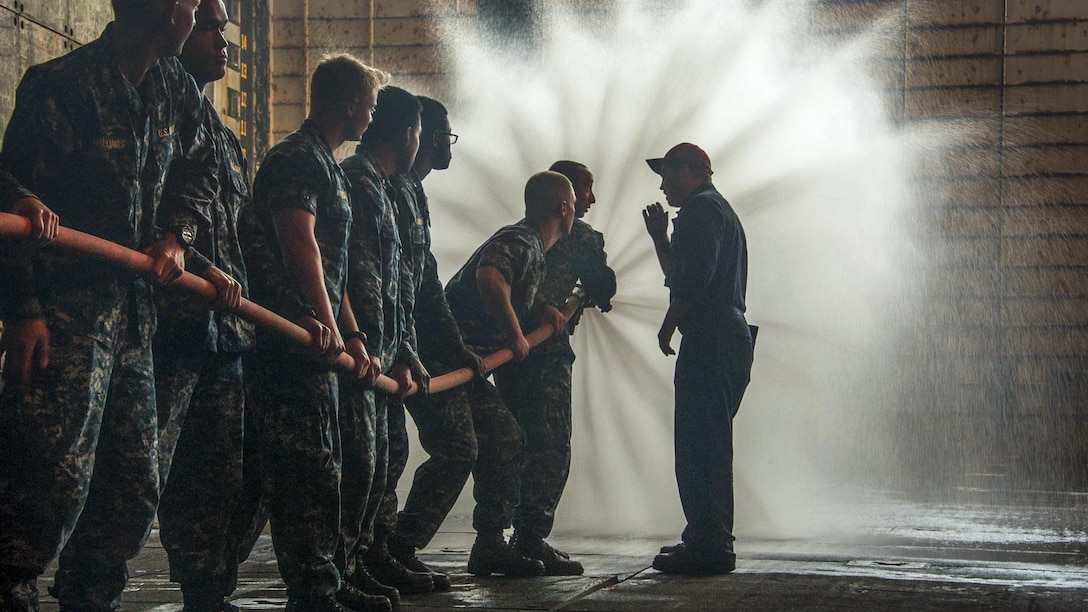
804	150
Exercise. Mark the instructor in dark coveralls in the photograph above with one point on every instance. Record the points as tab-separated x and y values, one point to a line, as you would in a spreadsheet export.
706	270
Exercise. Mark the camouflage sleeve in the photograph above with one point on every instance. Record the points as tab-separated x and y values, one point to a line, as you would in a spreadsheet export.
268	285
37	135
598	280
11	191
509	255
295	179
410	348
193	179
364	284
433	316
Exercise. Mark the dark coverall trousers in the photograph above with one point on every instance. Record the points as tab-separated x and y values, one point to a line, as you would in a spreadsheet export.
538	393
712	371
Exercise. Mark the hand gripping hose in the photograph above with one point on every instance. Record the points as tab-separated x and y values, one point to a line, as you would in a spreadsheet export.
18	226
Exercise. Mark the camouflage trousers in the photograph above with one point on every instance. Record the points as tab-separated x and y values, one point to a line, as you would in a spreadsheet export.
447	436
80	443
201	402
499	443
294	402
385	519
464	430
538	392
363	433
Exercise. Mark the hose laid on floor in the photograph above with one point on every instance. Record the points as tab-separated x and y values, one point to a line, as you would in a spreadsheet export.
18	226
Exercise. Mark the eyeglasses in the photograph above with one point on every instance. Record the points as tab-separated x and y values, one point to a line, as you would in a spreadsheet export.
439	136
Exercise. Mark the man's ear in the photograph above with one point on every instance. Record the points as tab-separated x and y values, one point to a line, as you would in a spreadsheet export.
170	10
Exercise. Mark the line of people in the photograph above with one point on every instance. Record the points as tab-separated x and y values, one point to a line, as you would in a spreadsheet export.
124	399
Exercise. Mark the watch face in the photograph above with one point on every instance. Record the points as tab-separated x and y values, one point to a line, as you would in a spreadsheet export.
187	235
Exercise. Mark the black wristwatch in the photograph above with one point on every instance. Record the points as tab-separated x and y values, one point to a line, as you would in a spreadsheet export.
361	335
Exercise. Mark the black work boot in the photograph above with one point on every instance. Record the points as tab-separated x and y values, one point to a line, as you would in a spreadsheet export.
387	570
686	559
358	601
671	548
362	580
325	603
492	555
406	554
556	562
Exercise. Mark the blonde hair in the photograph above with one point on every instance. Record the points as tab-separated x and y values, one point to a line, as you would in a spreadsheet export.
339	79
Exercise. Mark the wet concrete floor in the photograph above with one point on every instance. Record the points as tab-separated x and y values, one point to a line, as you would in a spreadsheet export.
1013	555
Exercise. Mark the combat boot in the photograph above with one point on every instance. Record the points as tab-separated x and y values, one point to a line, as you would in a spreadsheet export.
387	570
492	555
556	562
358	601
362	580
690	560
406	554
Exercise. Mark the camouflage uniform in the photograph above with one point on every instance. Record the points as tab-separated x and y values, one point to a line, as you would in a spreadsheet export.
538	388
415	244
96	150
200	393
518	253
295	398
444	420
374	284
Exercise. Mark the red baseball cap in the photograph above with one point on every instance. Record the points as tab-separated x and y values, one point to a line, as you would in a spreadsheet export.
683	153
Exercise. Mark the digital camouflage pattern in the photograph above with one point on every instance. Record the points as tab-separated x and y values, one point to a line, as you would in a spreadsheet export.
518	253
201	399
374	280
183	315
96	150
444	420
294	398
374	285
538	389
414	244
295	406
298	172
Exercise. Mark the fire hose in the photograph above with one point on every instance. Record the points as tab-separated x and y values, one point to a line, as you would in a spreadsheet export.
104	250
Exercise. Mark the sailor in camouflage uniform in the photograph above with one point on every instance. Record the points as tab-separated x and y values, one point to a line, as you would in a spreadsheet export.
298	266
491	297
444	420
198	363
375	280
93	134
538	389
